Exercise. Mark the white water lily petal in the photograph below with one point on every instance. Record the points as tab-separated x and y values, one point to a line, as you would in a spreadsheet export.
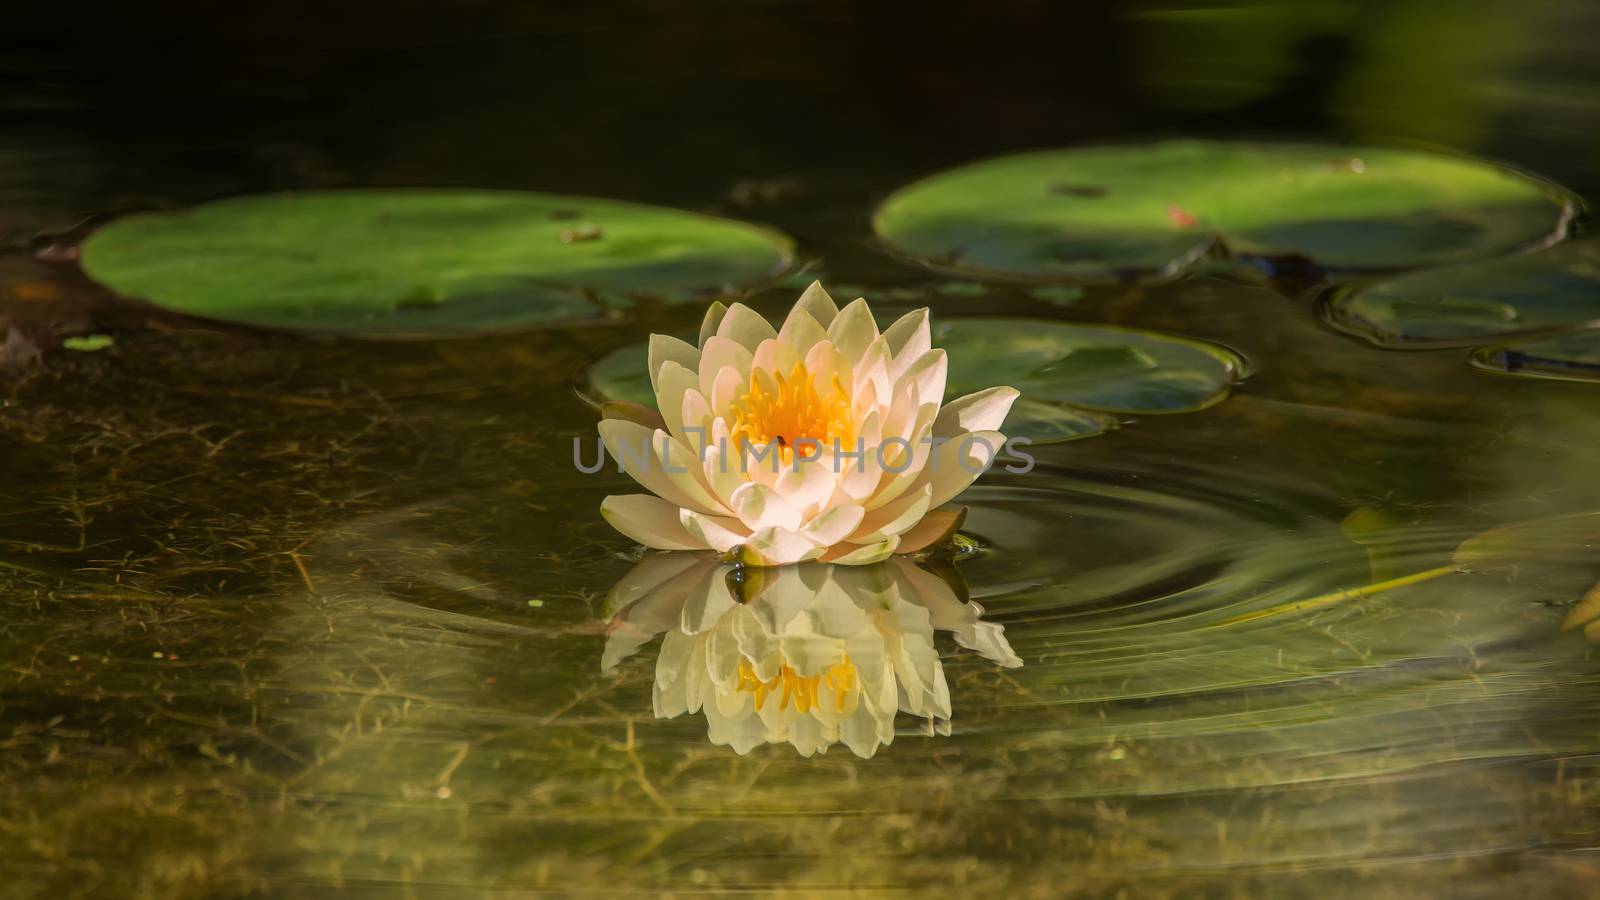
926	377
801	332
713	319
984	410
958	463
894	517
809	483
777	547
745	327
638	450
675	381
909	337
720	354
816	303
775	356
664	348
861	555
760	507
833	526
854	330
720	533
649	520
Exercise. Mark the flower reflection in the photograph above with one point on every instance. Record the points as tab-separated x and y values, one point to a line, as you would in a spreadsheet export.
812	654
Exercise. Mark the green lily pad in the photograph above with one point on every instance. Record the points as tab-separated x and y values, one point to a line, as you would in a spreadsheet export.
1051	423
1102	212
1574	356
1070	375
1551	289
424	261
1097	367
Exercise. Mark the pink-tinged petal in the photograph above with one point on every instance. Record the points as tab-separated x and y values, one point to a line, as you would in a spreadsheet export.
873	368
937	527
807	485
909	337
720	533
726	387
776	547
649	520
640	452
834	525
718	355
628	411
713	318
853	555
926	377
826	365
959	461
775	356
894	517
816	303
745	327
696	415
664	348
759	507
982	411
855	330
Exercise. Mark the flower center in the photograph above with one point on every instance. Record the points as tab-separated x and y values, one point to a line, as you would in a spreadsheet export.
801	690
789	412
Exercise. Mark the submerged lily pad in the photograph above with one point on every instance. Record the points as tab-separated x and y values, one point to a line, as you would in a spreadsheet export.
1070	375
1555	288
424	261
1102	212
1574	356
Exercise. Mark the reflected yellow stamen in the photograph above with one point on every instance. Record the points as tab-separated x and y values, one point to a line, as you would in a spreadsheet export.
800	690
790	411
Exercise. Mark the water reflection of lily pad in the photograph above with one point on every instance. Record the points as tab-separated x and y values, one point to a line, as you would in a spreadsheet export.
1574	356
1069	374
1555	288
424	261
1101	212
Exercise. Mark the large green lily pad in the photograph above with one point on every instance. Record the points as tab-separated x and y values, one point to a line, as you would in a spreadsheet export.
1070	375
424	261
1473	302
1101	212
1573	356
1096	367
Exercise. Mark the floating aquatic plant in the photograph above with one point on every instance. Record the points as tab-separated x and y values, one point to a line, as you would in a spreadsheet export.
415	261
1111	212
1530	315
824	439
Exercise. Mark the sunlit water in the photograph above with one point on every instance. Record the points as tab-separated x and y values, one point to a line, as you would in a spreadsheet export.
283	616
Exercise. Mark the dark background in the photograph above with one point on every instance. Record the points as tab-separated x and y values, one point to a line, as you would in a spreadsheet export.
709	103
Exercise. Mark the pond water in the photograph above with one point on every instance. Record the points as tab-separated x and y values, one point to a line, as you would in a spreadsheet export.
283	615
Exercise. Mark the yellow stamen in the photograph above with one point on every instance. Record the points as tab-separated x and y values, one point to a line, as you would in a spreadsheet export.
789	411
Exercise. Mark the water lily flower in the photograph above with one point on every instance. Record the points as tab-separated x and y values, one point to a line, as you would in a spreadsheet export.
823	439
812	655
